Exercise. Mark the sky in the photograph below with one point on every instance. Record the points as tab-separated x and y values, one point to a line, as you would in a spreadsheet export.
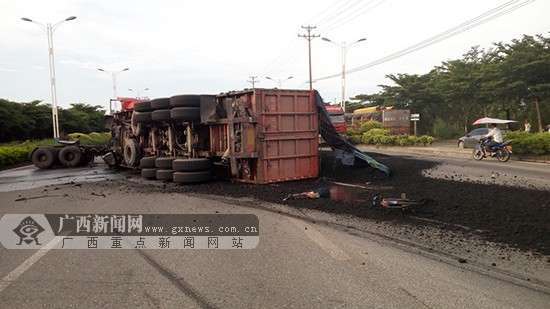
177	47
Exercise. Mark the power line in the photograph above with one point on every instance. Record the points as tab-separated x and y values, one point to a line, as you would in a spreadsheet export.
312	21
291	52
472	23
346	19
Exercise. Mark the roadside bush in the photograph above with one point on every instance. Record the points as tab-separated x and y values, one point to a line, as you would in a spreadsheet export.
84	138
369	125
15	153
426	140
538	144
516	135
524	143
385	140
354	139
404	140
351	131
373	136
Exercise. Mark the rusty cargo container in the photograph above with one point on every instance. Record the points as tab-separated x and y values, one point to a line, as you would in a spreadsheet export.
271	134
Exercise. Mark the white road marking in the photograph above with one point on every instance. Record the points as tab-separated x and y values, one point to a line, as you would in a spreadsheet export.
328	246
16	273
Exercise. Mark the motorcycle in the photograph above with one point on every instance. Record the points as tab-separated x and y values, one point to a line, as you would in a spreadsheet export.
502	150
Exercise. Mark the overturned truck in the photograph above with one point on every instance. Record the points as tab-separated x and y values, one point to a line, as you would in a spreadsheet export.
255	136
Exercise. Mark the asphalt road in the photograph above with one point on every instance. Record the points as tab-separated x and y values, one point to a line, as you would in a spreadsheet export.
304	259
462	167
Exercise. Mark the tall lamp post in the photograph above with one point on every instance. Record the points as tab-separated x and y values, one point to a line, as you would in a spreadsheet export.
345	49
113	76
49	29
279	81
138	92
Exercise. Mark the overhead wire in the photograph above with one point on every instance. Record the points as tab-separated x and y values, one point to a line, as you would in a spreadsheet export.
472	23
346	19
291	52
313	20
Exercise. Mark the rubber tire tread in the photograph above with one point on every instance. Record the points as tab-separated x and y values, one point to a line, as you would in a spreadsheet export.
164	162
192	177
161	115
50	157
131	152
160	104
185	100
192	165
70	162
185	113
142	117
144	106
136	126
147	162
149	173
506	157
165	175
477	154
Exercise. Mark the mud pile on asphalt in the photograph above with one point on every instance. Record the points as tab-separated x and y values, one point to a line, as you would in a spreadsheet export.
511	216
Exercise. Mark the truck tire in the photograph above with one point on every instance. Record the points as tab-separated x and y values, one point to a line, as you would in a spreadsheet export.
149	173
161	115
192	177
132	152
167	175
85	159
43	157
192	165
147	162
185	100
164	163
185	113
141	117
159	104
144	106
136	126
70	156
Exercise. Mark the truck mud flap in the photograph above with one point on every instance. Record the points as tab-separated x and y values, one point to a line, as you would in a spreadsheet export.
346	151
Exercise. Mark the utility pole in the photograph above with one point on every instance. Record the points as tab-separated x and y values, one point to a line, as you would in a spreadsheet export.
253	80
309	37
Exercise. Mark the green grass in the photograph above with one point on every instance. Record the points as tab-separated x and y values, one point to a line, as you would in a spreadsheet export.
16	152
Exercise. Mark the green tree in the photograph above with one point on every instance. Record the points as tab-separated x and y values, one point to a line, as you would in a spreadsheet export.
523	72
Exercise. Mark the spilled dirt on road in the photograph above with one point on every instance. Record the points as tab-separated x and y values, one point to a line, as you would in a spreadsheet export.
512	216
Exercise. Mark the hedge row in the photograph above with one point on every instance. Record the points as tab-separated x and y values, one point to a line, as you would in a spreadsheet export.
525	143
16	152
373	133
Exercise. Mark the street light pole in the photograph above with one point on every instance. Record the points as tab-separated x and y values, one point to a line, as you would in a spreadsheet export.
138	92
113	76
279	81
49	29
345	49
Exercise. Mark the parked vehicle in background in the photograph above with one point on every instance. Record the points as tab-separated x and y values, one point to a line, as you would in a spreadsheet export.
472	139
336	113
397	121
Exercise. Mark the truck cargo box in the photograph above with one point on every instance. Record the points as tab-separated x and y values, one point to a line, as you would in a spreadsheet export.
271	134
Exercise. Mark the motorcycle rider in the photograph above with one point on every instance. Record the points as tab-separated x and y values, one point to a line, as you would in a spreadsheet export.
496	134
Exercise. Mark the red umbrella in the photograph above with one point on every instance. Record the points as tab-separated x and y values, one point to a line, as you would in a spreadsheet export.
491	120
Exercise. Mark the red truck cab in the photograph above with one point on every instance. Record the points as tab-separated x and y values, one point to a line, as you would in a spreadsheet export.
336	113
